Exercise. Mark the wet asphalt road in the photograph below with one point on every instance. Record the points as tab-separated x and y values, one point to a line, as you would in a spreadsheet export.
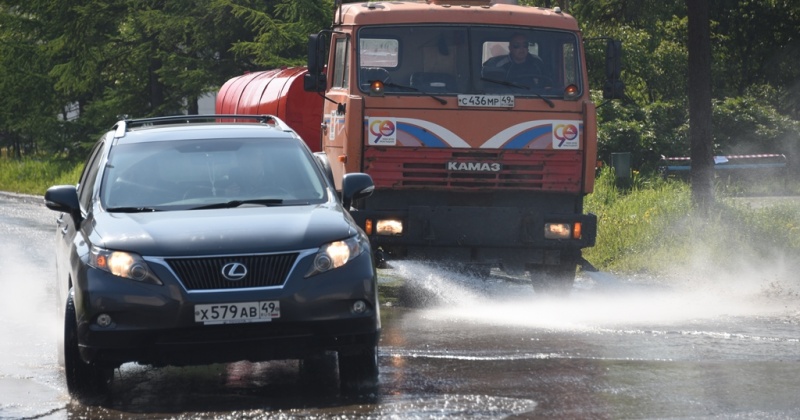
723	346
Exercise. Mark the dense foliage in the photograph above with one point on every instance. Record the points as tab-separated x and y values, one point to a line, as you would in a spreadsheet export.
69	68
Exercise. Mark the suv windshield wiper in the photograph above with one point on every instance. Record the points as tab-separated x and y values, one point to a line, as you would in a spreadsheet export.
237	203
519	86
131	209
441	101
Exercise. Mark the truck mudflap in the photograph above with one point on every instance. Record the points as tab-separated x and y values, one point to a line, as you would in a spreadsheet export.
473	234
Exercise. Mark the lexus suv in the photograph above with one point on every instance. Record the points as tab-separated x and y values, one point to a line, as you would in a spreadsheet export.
211	239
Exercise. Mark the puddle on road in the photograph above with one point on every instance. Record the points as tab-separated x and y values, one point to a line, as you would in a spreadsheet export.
447	406
430	407
23	398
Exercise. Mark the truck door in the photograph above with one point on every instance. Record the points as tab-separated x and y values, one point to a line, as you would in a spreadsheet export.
336	110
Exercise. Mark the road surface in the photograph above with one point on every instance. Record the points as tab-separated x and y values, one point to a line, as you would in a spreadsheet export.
726	346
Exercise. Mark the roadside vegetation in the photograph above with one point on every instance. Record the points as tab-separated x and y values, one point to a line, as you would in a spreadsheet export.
34	176
649	228
62	85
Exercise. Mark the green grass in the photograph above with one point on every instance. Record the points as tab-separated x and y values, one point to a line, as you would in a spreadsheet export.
34	176
652	229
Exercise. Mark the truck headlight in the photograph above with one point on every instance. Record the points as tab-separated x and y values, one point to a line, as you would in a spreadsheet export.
389	227
338	253
122	264
557	230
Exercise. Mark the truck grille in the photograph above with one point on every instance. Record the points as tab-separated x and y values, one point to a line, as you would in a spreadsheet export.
535	170
206	273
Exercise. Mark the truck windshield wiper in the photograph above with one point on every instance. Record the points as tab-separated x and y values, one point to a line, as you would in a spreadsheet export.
519	86
236	203
131	209
441	100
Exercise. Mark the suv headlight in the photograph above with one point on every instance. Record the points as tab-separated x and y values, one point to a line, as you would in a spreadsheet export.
123	264
338	253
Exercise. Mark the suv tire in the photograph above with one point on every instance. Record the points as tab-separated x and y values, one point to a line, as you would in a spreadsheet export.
86	382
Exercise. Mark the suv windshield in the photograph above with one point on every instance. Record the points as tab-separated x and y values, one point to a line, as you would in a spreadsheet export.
183	174
443	59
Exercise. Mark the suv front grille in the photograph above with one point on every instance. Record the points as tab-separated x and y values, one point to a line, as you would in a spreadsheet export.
206	273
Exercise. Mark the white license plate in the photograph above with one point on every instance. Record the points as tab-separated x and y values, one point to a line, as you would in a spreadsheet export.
237	313
490	101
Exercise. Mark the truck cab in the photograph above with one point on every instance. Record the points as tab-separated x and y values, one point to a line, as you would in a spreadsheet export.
479	160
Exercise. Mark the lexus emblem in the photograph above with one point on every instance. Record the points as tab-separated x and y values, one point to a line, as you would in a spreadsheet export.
234	271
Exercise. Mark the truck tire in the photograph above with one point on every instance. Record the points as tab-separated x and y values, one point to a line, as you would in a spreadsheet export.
318	372
87	382
554	280
358	372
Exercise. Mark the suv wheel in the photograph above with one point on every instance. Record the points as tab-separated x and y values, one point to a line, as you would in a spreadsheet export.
86	382
358	372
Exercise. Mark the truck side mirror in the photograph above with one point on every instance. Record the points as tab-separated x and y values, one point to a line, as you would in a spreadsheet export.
315	80
614	88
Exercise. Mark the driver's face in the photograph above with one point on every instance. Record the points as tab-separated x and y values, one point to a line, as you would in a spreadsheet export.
518	48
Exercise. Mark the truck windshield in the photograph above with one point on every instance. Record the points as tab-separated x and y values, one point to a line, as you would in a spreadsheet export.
449	59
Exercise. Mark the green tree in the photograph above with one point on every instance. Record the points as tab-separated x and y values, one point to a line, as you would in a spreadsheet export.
27	111
281	29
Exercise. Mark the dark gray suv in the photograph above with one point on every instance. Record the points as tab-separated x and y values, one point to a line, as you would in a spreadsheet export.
210	239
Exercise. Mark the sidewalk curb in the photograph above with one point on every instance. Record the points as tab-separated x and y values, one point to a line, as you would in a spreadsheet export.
26	198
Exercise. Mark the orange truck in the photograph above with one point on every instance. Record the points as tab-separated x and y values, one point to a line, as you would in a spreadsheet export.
473	117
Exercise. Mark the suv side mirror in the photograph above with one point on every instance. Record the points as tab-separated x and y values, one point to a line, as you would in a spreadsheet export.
356	186
64	198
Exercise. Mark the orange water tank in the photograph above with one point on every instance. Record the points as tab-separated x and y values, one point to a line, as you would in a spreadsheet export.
277	92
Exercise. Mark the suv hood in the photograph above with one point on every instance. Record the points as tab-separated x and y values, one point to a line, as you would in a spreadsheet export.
246	229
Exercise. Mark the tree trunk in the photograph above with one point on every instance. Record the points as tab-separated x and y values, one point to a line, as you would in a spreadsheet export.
699	46
156	88
192	106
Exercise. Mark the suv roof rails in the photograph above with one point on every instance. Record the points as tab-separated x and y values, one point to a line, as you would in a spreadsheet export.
125	125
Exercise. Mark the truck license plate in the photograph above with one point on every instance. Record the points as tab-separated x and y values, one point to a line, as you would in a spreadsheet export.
237	313
490	101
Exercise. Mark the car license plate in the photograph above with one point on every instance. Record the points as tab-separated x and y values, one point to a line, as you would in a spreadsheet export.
237	313
490	101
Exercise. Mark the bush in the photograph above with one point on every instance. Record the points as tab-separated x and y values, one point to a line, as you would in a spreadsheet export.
34	176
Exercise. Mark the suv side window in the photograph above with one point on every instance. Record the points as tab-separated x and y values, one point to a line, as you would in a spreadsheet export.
89	176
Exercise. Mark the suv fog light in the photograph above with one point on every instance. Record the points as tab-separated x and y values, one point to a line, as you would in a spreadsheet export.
104	320
359	307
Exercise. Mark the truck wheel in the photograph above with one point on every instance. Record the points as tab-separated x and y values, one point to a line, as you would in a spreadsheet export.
556	280
318	371
358	372
87	382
